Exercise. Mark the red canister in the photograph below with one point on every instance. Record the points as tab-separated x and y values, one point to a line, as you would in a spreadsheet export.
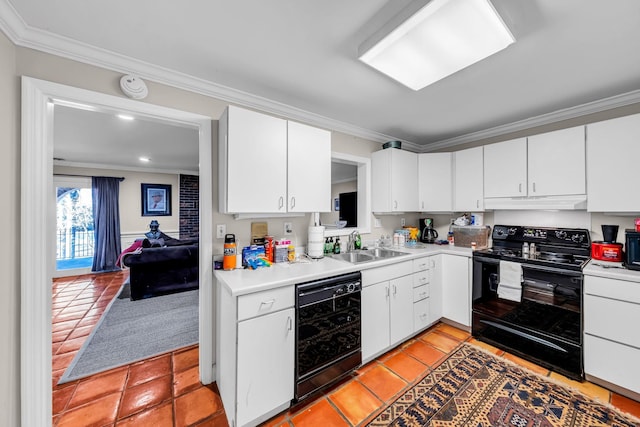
605	251
268	248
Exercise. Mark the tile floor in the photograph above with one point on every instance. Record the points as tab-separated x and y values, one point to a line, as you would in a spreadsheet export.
165	391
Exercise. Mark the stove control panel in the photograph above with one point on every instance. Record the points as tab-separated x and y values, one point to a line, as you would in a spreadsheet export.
571	237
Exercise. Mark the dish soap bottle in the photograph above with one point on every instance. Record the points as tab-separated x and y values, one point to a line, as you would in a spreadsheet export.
358	243
336	246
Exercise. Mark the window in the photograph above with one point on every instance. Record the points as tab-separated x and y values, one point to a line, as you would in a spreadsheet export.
74	224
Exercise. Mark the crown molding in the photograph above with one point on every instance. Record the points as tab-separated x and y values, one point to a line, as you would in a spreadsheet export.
23	35
593	107
115	167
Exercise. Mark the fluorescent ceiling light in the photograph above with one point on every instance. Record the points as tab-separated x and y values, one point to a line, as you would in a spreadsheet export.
144	159
442	37
125	117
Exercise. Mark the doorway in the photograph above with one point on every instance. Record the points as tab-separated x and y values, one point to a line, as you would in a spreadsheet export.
38	201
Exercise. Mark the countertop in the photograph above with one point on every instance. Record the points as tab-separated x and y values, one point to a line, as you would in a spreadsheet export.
245	281
611	272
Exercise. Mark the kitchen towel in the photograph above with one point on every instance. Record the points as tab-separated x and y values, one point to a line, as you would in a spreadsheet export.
510	284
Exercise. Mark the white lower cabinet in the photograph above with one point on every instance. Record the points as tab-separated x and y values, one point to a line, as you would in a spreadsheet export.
265	364
255	354
611	339
427	292
387	308
456	289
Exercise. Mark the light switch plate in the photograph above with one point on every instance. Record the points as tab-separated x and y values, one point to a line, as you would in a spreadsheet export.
288	228
221	230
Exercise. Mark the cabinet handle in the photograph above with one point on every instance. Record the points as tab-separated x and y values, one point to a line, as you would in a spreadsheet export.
422	205
289	323
423	279
478	203
270	303
423	266
386	288
293	202
422	294
534	187
520	188
395	289
395	204
433	264
280	203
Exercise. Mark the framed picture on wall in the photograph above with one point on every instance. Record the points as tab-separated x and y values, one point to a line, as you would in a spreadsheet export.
156	200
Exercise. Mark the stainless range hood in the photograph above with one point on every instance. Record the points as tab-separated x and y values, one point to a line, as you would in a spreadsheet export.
573	202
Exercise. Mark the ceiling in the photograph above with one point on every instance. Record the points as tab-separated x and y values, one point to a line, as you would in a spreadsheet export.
299	58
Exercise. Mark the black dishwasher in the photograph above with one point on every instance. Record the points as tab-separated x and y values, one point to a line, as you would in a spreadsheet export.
328	332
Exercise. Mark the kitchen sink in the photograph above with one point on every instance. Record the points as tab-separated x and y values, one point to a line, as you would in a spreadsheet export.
367	255
354	257
384	253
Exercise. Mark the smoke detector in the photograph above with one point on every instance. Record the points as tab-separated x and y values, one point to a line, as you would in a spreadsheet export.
133	86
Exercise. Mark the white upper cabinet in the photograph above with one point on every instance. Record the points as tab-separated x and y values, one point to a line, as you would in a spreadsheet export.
394	181
269	165
613	150
468	188
505	169
435	182
309	167
548	164
557	163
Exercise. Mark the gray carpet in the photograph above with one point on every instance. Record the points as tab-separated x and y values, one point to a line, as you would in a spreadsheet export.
130	331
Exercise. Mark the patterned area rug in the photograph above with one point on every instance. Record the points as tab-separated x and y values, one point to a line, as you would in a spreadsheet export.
474	388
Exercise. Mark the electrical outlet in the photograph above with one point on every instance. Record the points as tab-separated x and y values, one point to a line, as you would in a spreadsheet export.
288	227
377	223
221	230
402	222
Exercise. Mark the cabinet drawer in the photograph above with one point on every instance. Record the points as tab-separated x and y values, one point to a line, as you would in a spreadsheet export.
265	302
422	264
612	319
612	288
381	274
421	278
420	314
420	293
612	362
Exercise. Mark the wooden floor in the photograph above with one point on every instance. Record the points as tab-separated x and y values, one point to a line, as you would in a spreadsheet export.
165	390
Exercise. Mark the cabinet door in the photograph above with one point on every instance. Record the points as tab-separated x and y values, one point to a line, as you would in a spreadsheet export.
309	169
556	163
613	150
435	182
435	288
401	308
456	296
265	364
256	162
505	169
467	180
394	181
375	319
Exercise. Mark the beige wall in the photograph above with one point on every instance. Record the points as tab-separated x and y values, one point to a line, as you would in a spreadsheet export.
9	250
131	219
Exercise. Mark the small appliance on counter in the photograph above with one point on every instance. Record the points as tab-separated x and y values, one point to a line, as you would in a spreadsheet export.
428	233
607	252
632	256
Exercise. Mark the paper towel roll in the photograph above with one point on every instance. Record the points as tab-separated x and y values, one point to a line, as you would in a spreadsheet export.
315	242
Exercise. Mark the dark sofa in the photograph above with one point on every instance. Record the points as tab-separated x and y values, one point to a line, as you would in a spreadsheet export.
163	270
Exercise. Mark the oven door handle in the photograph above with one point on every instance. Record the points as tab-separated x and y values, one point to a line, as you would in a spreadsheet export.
552	270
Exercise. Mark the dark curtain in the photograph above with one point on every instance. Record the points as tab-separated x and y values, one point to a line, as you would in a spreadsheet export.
106	219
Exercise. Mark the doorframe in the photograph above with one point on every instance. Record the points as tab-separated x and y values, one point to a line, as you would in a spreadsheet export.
36	265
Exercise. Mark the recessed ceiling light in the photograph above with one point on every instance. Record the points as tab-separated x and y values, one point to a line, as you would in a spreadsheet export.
440	38
144	159
125	117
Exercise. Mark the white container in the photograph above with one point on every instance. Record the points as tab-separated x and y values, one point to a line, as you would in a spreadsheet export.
315	242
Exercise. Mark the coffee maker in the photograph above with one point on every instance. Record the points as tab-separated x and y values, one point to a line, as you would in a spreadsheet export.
428	234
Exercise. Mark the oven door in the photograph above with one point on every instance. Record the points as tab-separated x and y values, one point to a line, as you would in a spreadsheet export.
544	327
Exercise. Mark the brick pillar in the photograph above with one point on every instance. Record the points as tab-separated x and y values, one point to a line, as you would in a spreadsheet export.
189	205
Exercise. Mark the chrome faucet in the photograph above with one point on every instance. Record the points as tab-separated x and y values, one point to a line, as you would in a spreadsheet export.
351	244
